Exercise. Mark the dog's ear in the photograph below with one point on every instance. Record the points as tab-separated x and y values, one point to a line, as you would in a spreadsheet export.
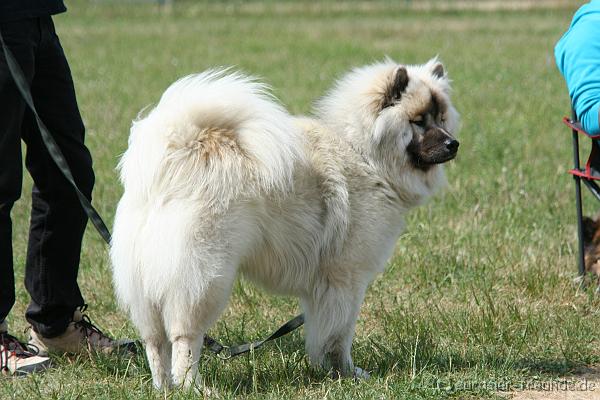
437	70
400	83
397	87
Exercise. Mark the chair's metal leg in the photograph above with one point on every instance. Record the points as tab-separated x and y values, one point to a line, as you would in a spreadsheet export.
581	254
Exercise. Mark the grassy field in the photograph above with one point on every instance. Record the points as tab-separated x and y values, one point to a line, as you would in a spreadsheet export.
480	289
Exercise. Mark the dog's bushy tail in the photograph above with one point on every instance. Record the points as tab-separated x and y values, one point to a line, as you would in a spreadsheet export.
218	134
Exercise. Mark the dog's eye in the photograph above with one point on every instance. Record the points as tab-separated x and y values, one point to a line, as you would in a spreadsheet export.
419	121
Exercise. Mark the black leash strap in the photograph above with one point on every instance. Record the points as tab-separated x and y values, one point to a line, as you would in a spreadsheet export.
211	344
226	352
53	149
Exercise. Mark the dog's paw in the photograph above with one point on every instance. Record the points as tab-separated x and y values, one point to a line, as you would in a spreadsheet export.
360	373
356	374
162	384
210	393
203	391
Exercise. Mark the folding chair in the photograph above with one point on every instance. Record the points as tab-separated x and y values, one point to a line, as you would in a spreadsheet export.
588	175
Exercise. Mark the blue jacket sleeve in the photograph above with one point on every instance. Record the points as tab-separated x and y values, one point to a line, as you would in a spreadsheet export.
577	56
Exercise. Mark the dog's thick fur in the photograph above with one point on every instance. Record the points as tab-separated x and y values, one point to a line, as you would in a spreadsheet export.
220	179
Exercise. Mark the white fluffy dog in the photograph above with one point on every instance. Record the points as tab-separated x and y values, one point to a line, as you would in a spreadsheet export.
220	179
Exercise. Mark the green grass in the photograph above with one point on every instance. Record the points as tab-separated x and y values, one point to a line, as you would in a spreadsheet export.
480	288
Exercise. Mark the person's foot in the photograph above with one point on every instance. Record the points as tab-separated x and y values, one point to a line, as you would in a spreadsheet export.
16	358
81	335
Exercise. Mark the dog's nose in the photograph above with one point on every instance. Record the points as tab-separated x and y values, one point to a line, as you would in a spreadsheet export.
452	144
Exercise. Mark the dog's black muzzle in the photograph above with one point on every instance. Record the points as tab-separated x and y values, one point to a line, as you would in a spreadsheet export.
436	146
449	151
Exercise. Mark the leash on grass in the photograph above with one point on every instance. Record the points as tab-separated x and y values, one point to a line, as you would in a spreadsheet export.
226	352
222	351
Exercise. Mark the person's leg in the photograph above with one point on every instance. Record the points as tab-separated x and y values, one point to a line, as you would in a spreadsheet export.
19	37
57	219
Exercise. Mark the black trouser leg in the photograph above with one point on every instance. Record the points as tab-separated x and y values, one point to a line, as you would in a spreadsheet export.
57	218
7	286
20	38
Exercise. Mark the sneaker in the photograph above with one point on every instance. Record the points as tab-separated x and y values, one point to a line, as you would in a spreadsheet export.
16	358
81	335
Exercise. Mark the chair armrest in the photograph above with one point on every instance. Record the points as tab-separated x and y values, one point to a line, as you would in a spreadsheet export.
576	126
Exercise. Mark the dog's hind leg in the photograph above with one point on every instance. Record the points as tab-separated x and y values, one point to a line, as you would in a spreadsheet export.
330	320
158	349
188	319
186	354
